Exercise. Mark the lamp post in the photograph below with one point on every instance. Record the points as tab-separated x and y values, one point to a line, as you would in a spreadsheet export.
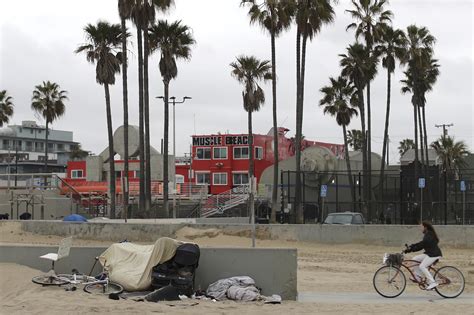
173	99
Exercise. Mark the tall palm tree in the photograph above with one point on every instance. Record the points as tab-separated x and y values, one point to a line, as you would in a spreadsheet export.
336	102
370	20
420	76
174	41
249	71
143	13
391	48
405	145
450	152
310	17
103	48
125	8
274	16
360	66
354	139
48	101
6	107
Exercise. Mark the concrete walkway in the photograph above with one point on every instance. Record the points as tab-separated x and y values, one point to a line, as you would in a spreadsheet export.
374	298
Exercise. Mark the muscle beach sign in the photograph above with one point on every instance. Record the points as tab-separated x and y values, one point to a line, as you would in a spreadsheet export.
219	140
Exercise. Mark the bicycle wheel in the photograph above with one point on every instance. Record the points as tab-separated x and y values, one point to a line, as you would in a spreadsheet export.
389	281
103	288
450	282
49	280
77	278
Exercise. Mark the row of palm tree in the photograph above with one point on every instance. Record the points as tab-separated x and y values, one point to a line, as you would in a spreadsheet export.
48	101
107	48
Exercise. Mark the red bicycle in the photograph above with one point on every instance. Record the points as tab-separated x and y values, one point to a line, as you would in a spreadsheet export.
390	281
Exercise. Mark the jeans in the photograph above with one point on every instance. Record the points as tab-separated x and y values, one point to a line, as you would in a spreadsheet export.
425	262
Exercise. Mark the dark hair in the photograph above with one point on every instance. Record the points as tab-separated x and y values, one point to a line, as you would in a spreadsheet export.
429	227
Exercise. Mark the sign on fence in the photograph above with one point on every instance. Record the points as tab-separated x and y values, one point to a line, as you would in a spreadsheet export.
462	186
421	182
324	191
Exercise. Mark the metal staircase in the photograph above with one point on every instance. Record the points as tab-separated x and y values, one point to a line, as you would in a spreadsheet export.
217	204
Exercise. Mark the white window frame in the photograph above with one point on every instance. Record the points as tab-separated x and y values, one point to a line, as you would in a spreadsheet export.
197	176
240	173
240	158
77	177
226	153
255	153
204	148
219	184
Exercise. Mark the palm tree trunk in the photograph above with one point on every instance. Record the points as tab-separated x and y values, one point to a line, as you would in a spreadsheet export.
147	122
125	193
275	134
364	149
111	151
140	120
369	152
45	154
422	147
385	136
297	200
348	165
299	209
426	136
415	175
251	205
165	151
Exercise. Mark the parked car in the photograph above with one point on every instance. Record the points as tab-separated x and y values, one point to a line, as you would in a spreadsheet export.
345	218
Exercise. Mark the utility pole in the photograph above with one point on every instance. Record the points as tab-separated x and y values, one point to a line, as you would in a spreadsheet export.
445	130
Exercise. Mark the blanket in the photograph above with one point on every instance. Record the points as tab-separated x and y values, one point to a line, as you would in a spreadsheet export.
130	265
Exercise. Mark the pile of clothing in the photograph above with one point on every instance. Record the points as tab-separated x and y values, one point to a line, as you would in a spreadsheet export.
241	288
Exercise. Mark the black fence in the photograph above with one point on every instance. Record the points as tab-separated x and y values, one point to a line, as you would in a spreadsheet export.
397	197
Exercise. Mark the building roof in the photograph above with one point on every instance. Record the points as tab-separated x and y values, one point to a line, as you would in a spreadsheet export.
409	157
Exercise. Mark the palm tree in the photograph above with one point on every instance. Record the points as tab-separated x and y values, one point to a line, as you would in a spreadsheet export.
6	108
420	76
249	71
405	145
77	153
336	102
174	41
360	66
125	10
392	48
371	19
354	139
273	16
310	17
451	153
143	13
103	48
48	101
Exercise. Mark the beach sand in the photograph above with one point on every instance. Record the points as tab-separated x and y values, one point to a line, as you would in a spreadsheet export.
346	270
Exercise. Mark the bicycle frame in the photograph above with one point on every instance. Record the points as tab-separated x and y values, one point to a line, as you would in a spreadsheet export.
422	284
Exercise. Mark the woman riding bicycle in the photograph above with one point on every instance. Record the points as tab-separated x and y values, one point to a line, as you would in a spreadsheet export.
431	255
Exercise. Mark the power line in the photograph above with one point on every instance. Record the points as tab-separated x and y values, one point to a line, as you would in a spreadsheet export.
445	130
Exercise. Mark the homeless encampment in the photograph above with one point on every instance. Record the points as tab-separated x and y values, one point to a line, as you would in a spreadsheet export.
131	265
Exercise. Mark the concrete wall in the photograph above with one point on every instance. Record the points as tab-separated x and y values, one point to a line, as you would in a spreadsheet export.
393	235
274	270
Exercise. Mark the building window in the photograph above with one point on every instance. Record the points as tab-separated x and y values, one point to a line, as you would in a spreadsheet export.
77	174
203	178
179	179
203	153
220	153
240	178
136	174
50	146
118	174
219	179
258	153
60	147
241	153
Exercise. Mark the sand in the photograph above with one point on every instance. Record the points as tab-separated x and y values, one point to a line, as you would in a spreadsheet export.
344	270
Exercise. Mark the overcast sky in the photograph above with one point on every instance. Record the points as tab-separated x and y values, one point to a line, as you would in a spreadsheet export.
37	40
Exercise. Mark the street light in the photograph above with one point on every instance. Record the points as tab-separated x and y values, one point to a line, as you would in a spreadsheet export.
173	99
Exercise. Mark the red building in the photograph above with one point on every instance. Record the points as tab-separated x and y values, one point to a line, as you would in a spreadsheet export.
222	160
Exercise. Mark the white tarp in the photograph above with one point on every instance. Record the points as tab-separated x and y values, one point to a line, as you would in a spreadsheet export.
130	265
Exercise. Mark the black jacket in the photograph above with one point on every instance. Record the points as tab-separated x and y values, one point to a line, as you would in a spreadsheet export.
429	244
